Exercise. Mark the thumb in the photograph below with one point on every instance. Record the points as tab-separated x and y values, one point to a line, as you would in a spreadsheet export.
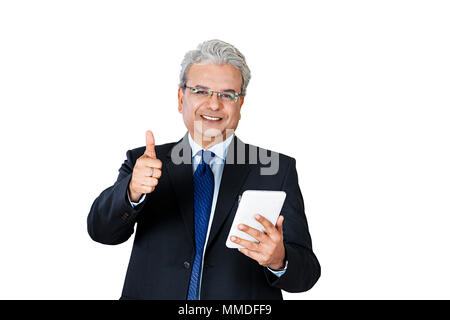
150	144
279	224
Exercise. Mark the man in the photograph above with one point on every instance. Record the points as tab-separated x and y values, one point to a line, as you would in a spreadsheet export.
183	196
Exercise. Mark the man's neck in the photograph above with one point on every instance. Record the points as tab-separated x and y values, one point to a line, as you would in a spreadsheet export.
209	142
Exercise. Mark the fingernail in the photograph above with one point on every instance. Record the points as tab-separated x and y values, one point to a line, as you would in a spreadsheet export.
258	216
241	226
233	238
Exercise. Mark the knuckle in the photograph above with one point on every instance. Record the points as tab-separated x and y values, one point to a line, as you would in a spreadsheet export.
136	167
149	182
140	166
151	162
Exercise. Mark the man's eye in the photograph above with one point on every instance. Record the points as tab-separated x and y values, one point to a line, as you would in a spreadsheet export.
201	92
228	95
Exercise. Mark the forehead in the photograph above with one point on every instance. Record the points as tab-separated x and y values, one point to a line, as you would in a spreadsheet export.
214	76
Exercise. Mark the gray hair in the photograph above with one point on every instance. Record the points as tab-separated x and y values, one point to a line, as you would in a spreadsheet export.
217	52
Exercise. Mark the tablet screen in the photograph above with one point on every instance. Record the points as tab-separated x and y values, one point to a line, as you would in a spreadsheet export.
263	202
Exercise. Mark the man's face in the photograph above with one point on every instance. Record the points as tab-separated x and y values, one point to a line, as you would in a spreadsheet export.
215	77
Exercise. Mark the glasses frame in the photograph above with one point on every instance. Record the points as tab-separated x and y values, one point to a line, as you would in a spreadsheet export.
211	92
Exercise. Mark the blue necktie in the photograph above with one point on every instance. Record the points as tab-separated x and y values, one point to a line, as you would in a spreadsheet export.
203	196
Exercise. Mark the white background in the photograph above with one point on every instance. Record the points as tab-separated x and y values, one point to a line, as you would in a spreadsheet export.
356	91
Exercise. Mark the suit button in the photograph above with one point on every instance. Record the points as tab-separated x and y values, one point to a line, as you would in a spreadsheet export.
187	265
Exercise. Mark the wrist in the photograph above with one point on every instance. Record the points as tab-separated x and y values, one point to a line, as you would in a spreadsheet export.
134	196
281	263
277	266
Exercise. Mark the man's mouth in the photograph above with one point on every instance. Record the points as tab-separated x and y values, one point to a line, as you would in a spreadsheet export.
210	118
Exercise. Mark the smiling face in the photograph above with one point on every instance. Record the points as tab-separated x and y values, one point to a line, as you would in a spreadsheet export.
209	118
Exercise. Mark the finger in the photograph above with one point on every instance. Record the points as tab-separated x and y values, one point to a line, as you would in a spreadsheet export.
148	182
279	224
268	226
145	189
245	243
258	235
152	163
152	182
156	173
150	144
146	172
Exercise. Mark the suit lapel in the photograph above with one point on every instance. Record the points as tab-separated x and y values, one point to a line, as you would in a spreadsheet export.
180	175
233	176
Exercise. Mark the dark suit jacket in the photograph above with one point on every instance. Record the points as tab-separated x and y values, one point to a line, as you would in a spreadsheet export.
163	249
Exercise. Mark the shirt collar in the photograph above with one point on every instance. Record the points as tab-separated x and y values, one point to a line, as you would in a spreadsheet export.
219	149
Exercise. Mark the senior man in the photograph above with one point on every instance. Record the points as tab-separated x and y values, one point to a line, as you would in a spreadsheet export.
182	197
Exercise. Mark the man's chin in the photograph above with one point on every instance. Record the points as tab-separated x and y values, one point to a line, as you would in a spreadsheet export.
209	137
216	138
207	131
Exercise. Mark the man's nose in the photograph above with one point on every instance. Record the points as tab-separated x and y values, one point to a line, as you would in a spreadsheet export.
214	102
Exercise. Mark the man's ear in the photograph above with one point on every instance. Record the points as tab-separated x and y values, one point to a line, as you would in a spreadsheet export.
180	100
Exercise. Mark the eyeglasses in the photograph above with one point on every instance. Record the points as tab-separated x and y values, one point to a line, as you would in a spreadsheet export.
227	97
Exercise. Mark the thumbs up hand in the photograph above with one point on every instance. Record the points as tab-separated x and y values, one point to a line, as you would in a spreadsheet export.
146	171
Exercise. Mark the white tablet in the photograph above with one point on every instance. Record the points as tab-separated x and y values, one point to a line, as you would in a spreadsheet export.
266	203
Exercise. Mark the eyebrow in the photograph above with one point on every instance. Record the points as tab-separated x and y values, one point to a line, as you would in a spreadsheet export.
203	87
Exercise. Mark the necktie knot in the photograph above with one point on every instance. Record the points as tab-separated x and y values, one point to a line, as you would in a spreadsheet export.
207	156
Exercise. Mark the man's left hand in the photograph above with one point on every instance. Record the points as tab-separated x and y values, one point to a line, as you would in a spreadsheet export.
269	251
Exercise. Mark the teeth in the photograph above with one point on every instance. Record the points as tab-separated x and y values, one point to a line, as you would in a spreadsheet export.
210	118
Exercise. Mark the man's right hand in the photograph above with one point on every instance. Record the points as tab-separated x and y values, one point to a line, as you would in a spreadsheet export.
146	172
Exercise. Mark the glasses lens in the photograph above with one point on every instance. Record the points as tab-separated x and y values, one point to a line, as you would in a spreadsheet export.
228	97
200	93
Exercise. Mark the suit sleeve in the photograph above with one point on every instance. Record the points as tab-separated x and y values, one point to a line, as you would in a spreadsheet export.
303	269
111	219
